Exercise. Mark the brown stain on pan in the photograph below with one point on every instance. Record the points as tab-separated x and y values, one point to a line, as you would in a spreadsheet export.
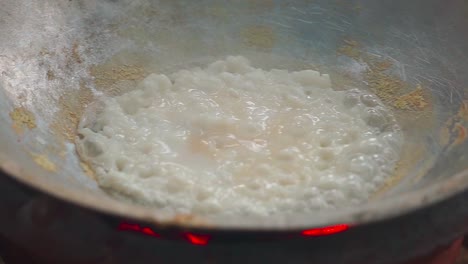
121	72
393	91
415	100
260	37
463	112
23	119
75	55
385	86
50	75
107	77
71	105
461	134
455	131
351	49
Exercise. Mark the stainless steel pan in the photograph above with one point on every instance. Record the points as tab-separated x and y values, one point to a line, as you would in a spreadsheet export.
57	56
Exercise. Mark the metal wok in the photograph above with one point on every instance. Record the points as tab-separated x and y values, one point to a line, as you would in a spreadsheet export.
57	56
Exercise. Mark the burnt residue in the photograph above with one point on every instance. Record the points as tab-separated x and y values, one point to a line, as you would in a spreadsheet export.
71	105
393	91
23	119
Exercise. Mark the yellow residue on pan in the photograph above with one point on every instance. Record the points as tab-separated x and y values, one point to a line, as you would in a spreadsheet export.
107	76
44	162
261	37
87	170
71	107
22	119
386	87
390	89
414	100
350	48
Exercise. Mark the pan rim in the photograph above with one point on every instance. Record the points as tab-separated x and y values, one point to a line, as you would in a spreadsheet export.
372	211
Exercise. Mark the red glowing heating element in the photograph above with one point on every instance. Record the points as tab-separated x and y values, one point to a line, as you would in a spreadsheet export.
137	228
325	231
200	240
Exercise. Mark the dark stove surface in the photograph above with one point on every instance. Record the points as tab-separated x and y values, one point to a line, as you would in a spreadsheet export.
457	253
463	257
35	227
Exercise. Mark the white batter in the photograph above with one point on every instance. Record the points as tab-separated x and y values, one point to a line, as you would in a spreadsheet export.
234	139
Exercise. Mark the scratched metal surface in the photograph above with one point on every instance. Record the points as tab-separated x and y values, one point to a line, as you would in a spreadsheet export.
52	50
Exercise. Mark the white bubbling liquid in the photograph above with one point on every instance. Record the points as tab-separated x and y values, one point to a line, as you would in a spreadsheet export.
234	139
